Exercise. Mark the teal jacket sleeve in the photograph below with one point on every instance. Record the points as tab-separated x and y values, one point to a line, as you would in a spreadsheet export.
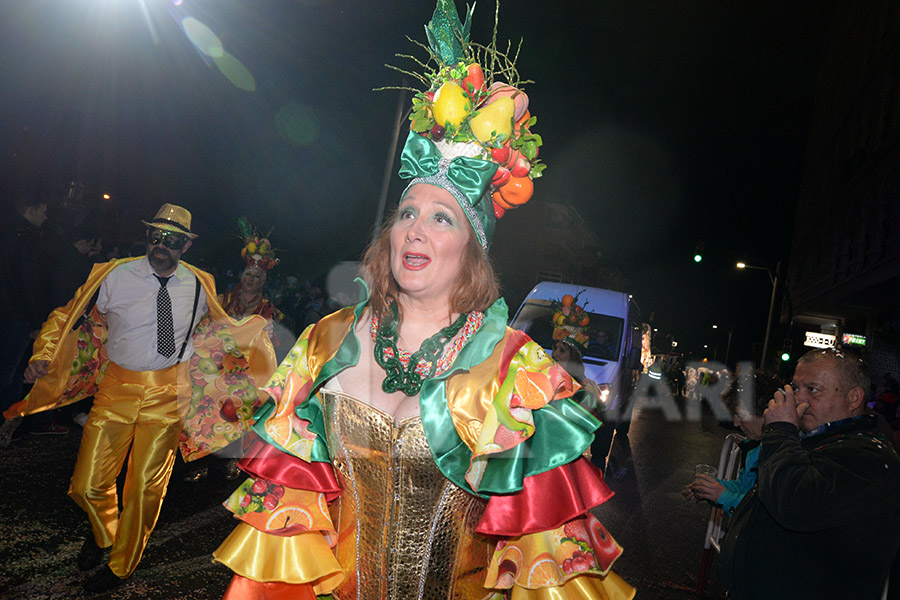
736	489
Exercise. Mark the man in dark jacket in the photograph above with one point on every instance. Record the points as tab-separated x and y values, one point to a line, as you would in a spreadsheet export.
824	518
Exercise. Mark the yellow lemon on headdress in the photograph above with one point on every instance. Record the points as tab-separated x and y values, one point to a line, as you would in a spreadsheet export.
451	105
495	118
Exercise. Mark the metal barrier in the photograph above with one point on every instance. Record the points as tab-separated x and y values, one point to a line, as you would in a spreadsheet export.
729	465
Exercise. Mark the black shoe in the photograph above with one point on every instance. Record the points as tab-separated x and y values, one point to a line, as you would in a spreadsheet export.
90	554
101	581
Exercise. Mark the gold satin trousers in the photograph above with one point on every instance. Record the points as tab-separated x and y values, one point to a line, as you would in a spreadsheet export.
137	411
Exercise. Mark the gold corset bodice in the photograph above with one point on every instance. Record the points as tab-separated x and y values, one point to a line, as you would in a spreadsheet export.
404	531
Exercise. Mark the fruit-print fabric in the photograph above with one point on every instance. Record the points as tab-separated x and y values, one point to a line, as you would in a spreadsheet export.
223	395
90	362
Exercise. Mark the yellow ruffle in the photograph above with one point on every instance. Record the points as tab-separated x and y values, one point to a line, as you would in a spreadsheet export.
584	587
302	558
547	559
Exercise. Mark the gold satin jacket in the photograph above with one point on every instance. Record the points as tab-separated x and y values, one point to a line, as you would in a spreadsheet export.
72	340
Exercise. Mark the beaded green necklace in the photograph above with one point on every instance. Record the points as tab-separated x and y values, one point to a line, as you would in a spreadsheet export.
407	380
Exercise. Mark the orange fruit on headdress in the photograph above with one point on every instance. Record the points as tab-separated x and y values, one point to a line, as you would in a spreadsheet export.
516	192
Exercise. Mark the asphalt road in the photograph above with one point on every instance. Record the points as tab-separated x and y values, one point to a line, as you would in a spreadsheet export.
42	530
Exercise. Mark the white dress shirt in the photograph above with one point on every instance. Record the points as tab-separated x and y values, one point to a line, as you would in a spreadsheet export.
128	299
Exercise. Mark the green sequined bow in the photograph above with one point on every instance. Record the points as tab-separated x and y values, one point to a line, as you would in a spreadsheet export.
467	179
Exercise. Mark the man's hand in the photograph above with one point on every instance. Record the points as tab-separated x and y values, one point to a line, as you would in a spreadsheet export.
785	408
36	370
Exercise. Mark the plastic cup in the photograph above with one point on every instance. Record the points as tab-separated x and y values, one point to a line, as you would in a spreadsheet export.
702	469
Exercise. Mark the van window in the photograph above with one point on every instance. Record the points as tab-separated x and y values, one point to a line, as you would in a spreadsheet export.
535	319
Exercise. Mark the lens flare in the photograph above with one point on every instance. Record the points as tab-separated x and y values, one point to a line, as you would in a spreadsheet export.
202	37
297	124
236	72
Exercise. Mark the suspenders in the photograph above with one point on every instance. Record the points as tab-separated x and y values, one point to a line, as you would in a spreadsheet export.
193	316
93	301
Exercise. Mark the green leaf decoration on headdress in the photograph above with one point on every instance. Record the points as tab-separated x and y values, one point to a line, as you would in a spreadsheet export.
244	227
446	34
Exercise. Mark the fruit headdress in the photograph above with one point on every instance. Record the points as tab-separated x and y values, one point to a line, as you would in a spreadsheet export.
470	129
257	251
570	321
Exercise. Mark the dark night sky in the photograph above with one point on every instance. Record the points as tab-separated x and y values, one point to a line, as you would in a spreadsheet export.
665	122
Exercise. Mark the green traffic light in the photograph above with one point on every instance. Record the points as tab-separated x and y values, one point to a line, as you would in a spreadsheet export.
698	258
785	356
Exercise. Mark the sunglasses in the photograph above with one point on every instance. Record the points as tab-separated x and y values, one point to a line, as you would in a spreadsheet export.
172	241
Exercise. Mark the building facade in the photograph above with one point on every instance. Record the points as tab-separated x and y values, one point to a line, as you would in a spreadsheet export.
844	274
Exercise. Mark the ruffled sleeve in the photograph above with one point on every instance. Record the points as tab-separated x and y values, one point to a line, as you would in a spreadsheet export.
505	427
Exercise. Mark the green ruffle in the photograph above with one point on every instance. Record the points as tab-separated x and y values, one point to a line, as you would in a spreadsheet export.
563	430
311	410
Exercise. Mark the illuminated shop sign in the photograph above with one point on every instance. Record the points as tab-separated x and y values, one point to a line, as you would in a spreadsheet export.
814	339
853	339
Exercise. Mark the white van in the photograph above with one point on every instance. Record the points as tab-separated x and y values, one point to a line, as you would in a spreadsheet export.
614	366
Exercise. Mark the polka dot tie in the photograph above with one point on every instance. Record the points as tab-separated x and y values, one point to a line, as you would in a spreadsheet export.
165	330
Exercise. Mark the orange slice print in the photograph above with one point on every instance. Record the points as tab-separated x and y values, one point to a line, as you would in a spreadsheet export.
544	572
289	516
530	387
279	429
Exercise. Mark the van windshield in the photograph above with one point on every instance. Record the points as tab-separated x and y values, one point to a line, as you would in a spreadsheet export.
605	332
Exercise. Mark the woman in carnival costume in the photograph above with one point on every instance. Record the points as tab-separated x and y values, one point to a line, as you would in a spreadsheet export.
454	470
570	345
246	298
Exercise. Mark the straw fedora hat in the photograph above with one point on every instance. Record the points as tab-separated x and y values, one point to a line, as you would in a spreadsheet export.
170	217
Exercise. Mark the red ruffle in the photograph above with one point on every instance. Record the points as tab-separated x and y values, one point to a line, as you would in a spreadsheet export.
516	340
546	501
265	461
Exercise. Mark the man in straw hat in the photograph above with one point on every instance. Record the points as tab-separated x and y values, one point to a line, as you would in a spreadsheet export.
126	337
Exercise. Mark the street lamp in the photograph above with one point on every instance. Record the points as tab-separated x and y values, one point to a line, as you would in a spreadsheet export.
773	277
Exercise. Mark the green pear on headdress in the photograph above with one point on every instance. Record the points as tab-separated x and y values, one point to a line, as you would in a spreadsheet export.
494	121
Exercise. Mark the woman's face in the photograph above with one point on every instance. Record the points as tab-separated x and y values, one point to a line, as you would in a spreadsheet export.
750	424
561	352
252	280
428	242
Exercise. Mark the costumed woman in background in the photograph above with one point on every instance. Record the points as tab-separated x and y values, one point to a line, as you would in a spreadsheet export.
245	299
455	470
569	345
